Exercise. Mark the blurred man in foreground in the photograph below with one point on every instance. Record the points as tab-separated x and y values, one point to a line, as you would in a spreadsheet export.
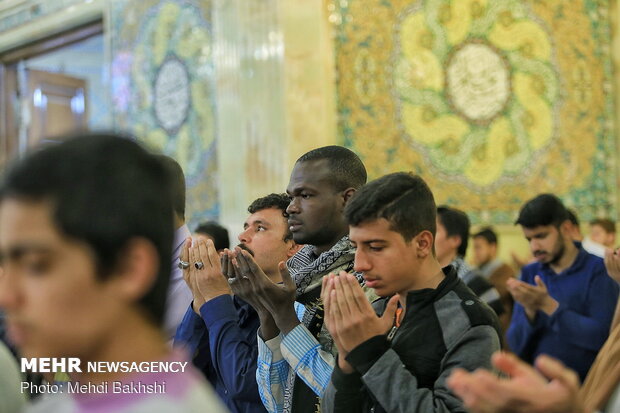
85	244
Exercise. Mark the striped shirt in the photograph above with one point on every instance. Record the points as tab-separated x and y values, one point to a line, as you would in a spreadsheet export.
298	350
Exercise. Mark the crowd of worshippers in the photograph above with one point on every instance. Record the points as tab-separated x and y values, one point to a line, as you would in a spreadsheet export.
339	295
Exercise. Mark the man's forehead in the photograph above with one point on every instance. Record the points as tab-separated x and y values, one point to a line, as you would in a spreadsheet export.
26	222
309	173
541	229
266	216
374	230
21	215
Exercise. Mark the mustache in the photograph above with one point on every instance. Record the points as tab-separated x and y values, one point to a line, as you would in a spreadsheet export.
539	252
245	247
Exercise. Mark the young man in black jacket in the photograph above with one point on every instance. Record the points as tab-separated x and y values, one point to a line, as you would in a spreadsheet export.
396	356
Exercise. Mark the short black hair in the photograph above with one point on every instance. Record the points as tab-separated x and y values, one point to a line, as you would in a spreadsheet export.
346	168
488	234
607	224
403	199
456	223
572	217
177	186
542	210
215	231
278	201
104	191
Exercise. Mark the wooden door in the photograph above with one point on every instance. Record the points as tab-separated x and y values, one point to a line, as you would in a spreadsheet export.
58	105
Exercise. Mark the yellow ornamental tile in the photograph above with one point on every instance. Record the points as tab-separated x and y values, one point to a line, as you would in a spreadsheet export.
184	147
537	118
487	164
519	95
195	43
415	36
524	36
456	18
157	139
426	71
166	21
428	129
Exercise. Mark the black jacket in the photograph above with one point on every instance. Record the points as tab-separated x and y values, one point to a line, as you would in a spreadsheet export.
442	328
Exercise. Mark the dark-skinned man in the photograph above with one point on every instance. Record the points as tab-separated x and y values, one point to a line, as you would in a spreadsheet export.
296	352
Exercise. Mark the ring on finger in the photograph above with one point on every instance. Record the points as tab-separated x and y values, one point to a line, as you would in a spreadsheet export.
183	265
199	265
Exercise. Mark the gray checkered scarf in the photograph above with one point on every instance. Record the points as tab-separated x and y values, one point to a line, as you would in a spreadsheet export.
308	270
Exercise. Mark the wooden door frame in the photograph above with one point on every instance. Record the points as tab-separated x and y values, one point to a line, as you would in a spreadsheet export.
9	131
53	42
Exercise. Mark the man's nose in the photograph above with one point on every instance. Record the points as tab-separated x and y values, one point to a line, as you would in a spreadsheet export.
245	236
361	262
293	207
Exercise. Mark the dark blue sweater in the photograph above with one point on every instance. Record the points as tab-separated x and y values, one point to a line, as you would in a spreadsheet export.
222	341
575	332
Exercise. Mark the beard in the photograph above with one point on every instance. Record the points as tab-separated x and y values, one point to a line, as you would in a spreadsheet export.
559	251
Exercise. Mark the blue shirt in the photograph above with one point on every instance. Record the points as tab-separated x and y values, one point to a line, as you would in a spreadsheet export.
298	350
575	332
223	343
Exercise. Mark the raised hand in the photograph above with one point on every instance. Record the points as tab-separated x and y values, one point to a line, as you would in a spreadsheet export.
278	299
243	288
532	297
350	318
327	287
240	285
525	391
206	271
190	277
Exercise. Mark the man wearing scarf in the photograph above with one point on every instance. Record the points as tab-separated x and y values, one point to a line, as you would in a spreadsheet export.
296	352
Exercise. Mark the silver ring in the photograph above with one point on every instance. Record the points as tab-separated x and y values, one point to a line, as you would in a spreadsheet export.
231	280
199	265
183	265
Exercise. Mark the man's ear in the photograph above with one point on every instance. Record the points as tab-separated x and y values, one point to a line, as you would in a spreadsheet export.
347	194
137	270
455	241
423	244
293	248
566	229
